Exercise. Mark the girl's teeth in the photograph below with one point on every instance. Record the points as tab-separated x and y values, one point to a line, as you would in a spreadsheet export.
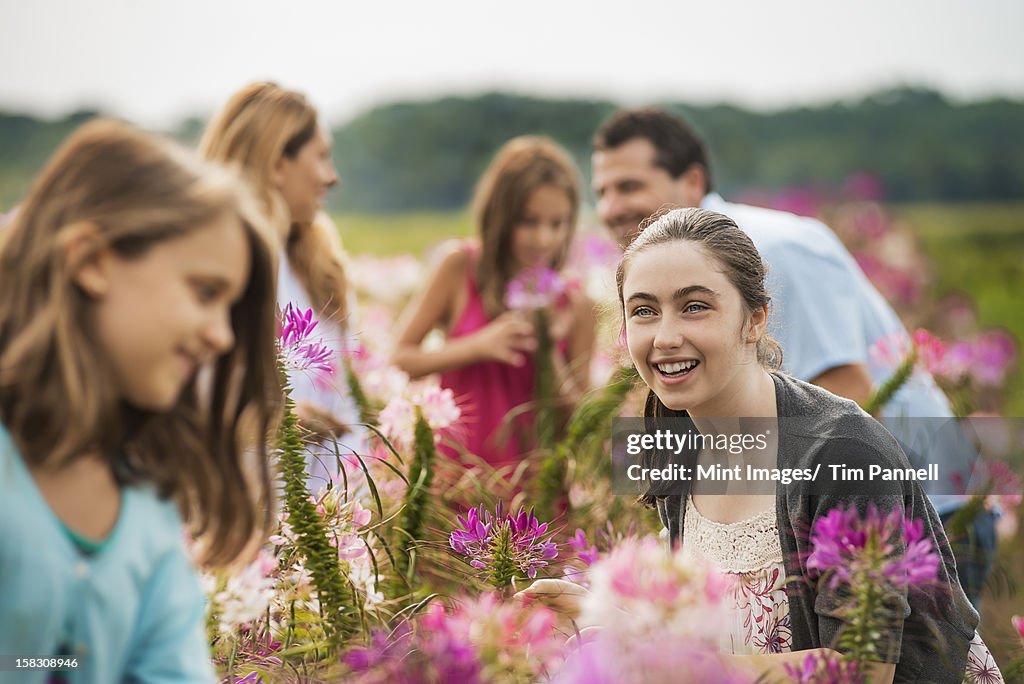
671	368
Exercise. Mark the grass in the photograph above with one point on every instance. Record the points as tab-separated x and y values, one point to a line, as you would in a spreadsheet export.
387	235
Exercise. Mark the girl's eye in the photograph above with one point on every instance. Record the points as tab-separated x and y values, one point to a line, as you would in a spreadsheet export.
643	311
205	293
695	308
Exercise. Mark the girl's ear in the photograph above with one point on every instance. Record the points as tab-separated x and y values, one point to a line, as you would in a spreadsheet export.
758	323
87	257
277	173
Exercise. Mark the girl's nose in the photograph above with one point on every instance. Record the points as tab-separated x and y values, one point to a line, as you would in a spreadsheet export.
670	334
220	336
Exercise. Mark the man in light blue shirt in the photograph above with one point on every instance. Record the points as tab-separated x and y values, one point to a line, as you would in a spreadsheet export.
826	314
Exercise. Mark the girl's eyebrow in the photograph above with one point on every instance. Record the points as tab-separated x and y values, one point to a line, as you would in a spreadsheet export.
681	293
684	292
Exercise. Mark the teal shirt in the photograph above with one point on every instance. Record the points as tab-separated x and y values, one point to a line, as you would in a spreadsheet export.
130	612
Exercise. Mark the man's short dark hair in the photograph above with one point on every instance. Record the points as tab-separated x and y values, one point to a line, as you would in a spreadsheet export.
676	145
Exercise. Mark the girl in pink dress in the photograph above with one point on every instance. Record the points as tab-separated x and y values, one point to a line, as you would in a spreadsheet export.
525	212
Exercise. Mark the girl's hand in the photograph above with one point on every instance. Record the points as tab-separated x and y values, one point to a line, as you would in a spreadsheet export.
507	339
561	596
560	323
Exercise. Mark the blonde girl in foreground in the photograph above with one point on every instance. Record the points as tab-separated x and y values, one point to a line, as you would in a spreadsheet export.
130	267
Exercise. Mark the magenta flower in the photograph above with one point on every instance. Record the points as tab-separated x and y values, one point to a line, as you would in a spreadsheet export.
1018	624
888	548
863	186
824	670
993	353
585	551
381	646
986	359
930	352
481	640
299	350
440	651
534	288
504	546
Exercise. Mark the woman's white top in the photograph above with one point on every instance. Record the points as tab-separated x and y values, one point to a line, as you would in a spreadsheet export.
333	396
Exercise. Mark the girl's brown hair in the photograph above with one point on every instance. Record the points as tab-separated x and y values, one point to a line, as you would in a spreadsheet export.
520	167
258	126
739	260
56	399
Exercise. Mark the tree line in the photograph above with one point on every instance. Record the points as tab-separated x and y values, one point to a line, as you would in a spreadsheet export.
408	156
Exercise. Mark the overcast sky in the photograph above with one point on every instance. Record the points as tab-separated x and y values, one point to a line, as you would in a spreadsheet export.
155	61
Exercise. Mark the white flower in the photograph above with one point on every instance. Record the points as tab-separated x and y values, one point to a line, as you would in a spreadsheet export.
246	595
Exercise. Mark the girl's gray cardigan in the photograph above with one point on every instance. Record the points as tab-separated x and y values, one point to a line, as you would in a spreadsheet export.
930	642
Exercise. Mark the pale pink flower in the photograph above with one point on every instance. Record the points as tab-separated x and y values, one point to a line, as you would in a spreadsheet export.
640	590
398	419
534	288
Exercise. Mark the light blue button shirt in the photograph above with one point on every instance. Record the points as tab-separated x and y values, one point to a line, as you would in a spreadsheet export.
826	313
133	612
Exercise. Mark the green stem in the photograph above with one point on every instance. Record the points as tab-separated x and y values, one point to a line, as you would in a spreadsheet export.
593	416
885	393
866	618
355	389
544	385
312	540
421	475
502	567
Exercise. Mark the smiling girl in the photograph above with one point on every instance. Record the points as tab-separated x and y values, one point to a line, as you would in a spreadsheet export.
692	291
692	287
525	211
130	267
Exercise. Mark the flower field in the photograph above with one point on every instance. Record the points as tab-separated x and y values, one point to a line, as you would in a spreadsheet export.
409	567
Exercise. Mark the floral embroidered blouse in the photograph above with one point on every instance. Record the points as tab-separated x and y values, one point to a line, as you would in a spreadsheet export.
748	551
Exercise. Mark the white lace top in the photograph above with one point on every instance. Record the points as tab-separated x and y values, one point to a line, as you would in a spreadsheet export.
750	552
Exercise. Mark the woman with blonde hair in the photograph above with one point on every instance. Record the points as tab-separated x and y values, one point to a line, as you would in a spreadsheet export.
131	269
277	139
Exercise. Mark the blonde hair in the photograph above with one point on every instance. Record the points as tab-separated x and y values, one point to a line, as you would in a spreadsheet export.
258	126
56	399
521	166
